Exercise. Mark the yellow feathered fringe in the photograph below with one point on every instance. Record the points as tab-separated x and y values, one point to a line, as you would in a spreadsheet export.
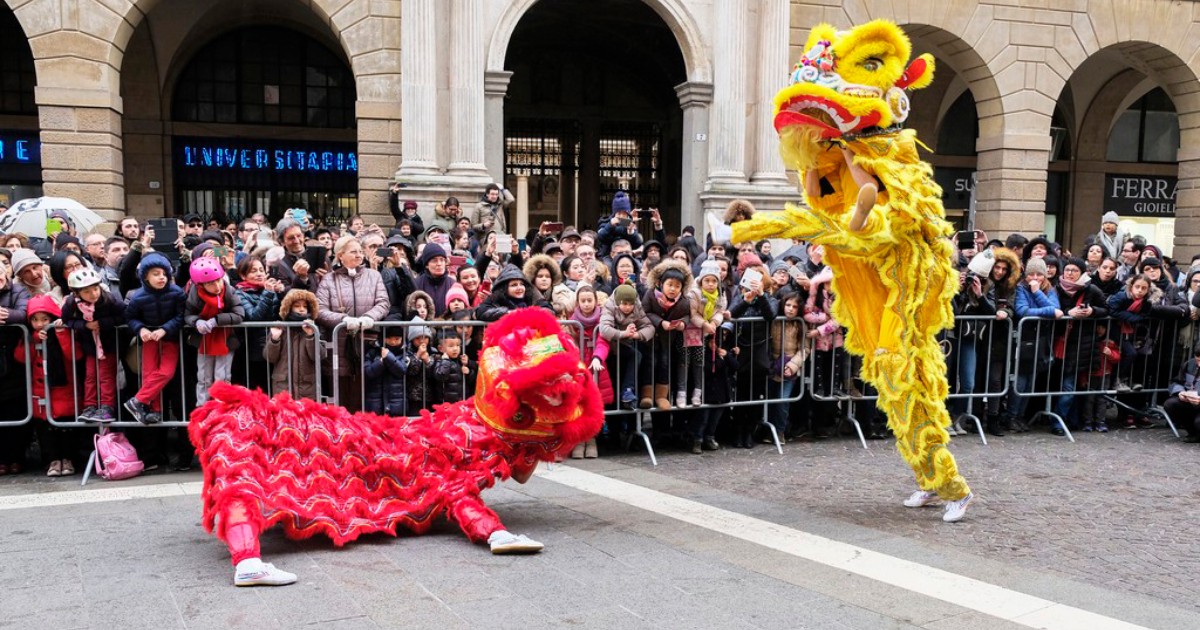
894	281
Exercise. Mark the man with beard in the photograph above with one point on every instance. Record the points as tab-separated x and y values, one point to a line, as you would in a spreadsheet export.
293	271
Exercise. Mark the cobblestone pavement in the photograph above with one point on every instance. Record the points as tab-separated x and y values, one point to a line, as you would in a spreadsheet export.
1117	510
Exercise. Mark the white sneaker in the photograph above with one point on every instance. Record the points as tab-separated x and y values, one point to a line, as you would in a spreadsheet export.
956	510
697	397
255	572
681	400
921	498
503	542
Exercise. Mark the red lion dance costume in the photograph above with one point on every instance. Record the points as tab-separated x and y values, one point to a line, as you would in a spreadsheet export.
317	469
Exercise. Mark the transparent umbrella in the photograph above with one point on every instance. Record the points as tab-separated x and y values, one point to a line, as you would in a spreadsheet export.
30	216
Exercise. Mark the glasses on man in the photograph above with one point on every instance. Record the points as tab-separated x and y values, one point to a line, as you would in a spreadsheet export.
195	224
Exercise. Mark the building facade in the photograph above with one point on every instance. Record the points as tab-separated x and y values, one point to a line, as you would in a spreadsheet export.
1047	112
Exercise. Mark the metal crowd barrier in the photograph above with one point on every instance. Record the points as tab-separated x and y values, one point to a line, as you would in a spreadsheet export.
25	341
981	330
1145	368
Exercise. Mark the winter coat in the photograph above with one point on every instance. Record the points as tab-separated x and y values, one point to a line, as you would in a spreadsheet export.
420	383
341	295
232	315
720	376
494	211
1187	379
498	303
696	303
613	322
56	369
1075	340
155	308
110	312
1036	338
15	298
294	362
436	288
753	336
260	305
598	349
789	348
410	305
820	317
609	234
282	271
559	296
680	311
452	385
386	380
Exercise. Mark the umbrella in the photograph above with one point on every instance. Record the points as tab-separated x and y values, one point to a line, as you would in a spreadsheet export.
29	216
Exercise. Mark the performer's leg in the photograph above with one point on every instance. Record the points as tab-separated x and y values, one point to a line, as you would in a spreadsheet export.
868	189
481	524
240	533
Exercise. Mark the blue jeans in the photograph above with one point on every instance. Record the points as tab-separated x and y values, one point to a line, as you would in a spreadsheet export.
967	362
1066	408
778	413
1016	404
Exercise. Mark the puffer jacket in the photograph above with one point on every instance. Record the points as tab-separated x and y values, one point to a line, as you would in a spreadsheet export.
341	295
110	312
231	316
155	308
260	305
453	385
752	336
696	299
613	322
386	380
294	361
53	370
15	298
420	383
789	347
498	304
681	310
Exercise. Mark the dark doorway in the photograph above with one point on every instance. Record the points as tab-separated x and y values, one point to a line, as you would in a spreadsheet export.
592	109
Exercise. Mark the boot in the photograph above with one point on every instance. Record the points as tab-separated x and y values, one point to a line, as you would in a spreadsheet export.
661	397
748	435
995	426
696	450
647	399
590	451
852	390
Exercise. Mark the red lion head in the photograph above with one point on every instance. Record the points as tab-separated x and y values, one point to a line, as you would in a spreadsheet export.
533	386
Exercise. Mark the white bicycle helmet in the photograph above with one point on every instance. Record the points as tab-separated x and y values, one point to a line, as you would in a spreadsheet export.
83	278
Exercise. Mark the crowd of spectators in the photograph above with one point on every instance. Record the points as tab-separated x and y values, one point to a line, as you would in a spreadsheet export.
129	328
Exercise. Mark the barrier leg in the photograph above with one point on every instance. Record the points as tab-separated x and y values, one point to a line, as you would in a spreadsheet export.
857	427
978	425
637	430
1055	418
87	470
1162	413
774	432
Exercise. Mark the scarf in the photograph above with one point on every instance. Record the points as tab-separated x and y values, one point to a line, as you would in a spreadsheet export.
1112	244
1136	307
665	302
710	303
1072	287
89	315
295	317
246	285
214	343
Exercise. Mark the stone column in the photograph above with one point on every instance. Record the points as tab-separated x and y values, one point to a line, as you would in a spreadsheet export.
495	88
418	68
82	149
521	220
695	99
1010	195
772	72
727	157
467	92
1187	200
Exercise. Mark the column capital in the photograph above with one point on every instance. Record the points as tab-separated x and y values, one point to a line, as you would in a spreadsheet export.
495	82
694	94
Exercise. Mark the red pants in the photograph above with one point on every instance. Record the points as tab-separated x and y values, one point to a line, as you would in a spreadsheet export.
100	374
241	534
159	360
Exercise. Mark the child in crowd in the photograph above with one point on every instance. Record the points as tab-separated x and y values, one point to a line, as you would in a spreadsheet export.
211	305
292	351
454	371
386	364
1132	306
155	314
587	313
720	375
789	349
510	291
421	387
456	300
1098	378
52	369
827	336
708	313
419	305
669	311
94	314
624	323
471	335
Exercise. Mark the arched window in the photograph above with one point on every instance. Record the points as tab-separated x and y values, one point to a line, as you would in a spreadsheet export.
17	78
1146	132
266	76
960	127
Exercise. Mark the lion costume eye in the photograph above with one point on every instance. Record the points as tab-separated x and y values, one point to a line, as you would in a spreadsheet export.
872	64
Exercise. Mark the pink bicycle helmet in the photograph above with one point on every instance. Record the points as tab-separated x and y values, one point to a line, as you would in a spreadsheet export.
206	269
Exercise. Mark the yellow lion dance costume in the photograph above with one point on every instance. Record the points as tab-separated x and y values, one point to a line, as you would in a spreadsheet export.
875	208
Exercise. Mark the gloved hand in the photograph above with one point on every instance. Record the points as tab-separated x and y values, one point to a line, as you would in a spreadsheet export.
352	324
366	323
204	326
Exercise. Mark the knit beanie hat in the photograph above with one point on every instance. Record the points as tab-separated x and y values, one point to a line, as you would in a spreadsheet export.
63	239
418	331
457	292
746	260
779	265
1035	265
625	294
22	258
620	202
1151	262
1109	217
432	250
709	268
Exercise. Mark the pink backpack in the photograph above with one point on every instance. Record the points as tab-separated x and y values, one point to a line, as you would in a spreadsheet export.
116	457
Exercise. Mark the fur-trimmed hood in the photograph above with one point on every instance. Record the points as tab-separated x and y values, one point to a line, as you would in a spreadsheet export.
1155	296
665	266
295	295
1014	267
411	302
539	262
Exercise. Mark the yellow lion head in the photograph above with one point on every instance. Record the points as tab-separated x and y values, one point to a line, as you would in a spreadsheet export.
848	83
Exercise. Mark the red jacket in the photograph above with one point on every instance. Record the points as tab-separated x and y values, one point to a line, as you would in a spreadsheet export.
598	348
62	396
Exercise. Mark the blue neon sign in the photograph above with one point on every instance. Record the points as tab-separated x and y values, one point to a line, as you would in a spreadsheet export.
20	149
280	160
